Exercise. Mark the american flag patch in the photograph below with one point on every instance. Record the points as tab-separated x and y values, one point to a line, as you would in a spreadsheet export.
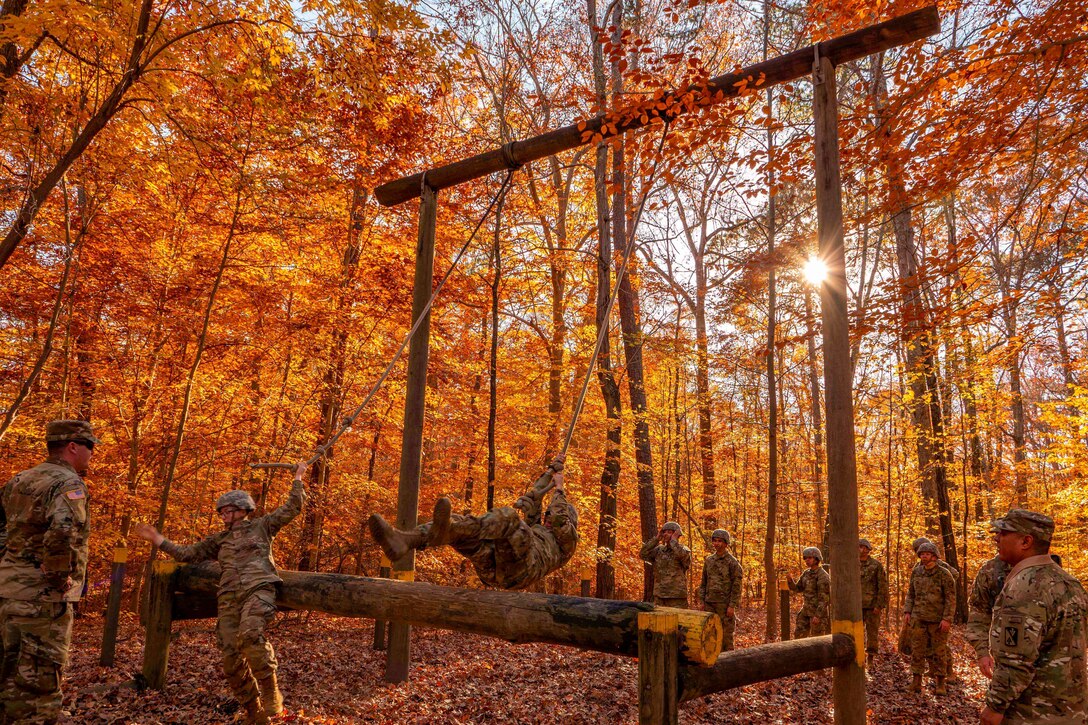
74	495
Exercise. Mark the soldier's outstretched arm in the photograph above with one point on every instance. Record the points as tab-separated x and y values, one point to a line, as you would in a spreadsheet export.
290	508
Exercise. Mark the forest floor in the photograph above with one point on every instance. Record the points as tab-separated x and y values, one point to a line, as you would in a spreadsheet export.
330	673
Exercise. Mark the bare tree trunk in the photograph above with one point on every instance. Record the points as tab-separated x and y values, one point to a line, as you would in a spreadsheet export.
817	423
771	593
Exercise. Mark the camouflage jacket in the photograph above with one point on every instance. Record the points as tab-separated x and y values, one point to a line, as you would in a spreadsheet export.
988	583
931	596
874	585
45	526
244	552
815	586
671	563
1037	641
944	565
722	577
548	547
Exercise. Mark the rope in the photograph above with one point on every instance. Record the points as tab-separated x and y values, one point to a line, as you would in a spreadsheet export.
350	420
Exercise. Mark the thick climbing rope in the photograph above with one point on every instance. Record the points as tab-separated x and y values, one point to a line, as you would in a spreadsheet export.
345	426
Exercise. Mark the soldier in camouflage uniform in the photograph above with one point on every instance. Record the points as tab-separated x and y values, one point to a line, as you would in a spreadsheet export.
988	583
44	529
928	609
506	551
815	586
720	590
247	591
874	597
1037	638
905	633
671	561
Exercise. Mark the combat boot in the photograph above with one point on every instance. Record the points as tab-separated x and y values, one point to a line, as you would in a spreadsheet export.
439	532
252	714
916	684
271	698
394	543
941	689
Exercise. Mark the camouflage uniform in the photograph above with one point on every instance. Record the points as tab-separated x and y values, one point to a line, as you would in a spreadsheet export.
988	583
247	591
720	590
671	563
815	586
931	598
45	526
874	596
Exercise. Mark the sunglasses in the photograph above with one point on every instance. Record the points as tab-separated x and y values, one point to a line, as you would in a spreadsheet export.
85	443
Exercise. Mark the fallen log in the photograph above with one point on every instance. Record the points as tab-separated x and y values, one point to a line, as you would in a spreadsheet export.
602	625
765	662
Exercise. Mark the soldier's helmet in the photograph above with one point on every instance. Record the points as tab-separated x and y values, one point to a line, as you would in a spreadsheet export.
928	546
918	542
865	543
239	499
673	526
721	534
813	552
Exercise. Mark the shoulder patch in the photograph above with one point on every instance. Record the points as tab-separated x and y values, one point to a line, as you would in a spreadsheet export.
74	495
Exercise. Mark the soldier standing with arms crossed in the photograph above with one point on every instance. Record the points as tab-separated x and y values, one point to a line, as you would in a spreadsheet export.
45	529
720	590
671	561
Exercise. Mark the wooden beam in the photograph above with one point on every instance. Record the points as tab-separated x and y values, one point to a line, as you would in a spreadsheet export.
657	668
764	662
873	39
602	625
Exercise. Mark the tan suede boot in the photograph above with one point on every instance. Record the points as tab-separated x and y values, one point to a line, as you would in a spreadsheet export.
270	695
941	689
916	684
394	543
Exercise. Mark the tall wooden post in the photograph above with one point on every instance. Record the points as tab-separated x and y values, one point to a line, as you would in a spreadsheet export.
113	606
658	668
415	405
848	686
160	615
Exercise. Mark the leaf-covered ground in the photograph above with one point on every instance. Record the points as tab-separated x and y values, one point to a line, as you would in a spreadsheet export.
330	673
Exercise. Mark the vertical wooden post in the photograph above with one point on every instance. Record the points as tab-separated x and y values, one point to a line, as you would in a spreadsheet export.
379	624
587	581
415	406
848	686
784	606
160	601
658	668
113	607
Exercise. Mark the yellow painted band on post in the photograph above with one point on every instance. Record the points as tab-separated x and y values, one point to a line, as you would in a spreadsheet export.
120	555
855	630
659	622
783	585
164	567
408	575
385	561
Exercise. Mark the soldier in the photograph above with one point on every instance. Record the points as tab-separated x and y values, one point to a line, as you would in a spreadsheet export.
1038	635
874	597
671	561
929	608
44	525
247	591
720	590
506	551
815	586
987	585
906	633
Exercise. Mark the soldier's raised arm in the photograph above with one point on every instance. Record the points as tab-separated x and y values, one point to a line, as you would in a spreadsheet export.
682	554
647	550
290	508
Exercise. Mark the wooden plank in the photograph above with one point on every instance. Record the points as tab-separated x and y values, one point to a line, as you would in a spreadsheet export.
157	627
848	686
657	668
113	607
602	625
873	39
747	666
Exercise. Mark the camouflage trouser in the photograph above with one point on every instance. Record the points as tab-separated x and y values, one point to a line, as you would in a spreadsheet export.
36	636
675	602
246	653
928	643
729	624
806	628
872	629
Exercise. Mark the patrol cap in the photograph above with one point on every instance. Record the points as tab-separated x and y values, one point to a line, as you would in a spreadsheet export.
672	526
70	430
927	546
918	542
720	534
865	543
1022	521
813	552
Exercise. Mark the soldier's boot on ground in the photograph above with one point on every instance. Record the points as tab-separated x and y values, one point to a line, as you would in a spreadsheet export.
941	689
394	543
252	713
440	524
271	698
916	684
951	677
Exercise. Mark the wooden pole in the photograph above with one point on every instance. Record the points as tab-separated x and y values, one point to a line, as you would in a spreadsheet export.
159	618
873	39
657	668
587	581
848	686
784	607
113	607
379	624
415	407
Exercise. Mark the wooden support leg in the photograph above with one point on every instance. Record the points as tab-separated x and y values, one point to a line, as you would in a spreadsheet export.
113	607
784	608
379	624
587	581
157	628
658	669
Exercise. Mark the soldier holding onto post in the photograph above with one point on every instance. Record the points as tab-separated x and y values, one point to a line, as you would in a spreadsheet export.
671	561
45	528
247	591
1037	639
506	551
814	585
874	597
928	609
721	587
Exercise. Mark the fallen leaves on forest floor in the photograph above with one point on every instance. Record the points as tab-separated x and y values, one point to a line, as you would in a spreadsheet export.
330	673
